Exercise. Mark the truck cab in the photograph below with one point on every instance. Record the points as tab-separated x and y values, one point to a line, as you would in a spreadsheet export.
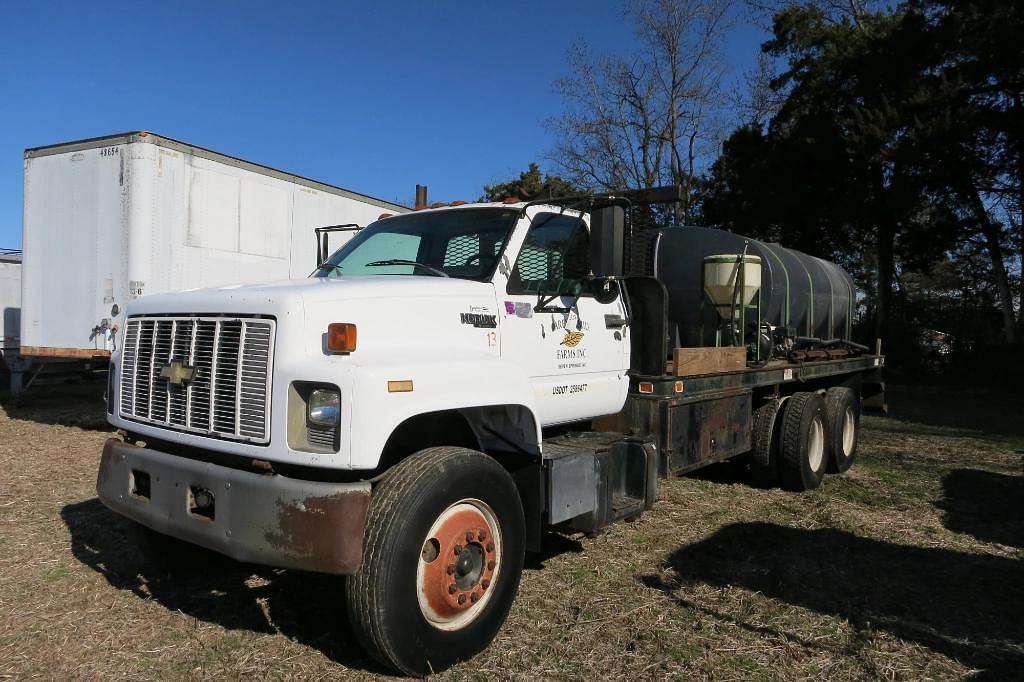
485	308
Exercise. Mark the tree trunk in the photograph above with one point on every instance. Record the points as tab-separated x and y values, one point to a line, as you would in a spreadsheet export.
886	267
1020	265
995	252
886	236
1020	223
1018	110
1020	256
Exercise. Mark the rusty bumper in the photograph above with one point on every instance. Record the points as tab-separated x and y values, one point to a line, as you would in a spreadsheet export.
264	519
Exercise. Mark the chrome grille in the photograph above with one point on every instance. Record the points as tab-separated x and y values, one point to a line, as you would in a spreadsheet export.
228	392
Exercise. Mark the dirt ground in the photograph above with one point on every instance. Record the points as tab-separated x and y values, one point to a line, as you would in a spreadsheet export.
910	566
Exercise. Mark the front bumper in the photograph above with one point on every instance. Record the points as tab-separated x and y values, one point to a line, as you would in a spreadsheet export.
264	519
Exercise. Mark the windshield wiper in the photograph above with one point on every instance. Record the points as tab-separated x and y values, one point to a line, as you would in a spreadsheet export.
403	261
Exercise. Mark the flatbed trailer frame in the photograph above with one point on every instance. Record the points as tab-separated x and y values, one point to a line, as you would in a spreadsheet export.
701	419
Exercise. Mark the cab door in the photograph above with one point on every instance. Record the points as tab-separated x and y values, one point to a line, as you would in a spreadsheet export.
566	330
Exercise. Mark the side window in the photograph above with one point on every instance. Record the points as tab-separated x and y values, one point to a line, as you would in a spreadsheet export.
555	257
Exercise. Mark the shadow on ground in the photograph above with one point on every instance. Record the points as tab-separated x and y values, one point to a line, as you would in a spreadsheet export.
552	545
78	404
306	607
966	606
985	504
986	411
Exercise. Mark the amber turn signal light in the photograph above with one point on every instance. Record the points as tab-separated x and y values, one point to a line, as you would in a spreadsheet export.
341	337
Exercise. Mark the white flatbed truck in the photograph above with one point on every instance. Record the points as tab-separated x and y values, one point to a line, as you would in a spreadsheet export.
415	414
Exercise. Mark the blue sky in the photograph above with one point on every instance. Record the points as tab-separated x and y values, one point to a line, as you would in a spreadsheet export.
374	97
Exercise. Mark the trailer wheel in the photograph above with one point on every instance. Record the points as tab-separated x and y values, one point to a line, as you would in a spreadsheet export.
842	411
763	455
804	442
443	552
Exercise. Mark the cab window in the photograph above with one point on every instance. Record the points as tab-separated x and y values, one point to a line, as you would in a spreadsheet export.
555	257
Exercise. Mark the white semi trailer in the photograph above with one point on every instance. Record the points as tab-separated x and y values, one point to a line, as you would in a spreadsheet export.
110	219
10	299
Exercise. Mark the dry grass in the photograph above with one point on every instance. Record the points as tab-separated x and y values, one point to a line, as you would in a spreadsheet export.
909	566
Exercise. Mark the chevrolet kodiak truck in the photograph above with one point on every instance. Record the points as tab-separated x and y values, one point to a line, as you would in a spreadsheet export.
455	380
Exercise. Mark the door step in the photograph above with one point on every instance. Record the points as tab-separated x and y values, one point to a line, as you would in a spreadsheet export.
624	506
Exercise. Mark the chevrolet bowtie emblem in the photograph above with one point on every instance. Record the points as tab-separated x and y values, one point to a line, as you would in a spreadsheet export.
177	372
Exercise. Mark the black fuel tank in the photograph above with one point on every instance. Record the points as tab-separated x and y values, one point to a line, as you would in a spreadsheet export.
814	296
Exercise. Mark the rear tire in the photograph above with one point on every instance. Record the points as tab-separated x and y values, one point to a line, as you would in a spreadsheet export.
443	553
764	470
842	414
803	442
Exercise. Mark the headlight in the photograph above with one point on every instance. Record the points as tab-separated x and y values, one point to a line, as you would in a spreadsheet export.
324	407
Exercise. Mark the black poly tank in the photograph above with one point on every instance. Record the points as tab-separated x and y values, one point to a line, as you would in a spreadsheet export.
814	296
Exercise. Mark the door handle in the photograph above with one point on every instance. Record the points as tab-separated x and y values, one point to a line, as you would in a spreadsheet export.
615	321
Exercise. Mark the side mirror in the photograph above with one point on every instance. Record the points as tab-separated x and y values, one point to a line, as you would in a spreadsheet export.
323	251
605	290
607	237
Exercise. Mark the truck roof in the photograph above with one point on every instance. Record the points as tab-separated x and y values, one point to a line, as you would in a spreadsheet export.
186	148
514	205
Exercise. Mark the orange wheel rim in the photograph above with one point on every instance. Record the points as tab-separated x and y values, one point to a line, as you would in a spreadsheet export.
458	564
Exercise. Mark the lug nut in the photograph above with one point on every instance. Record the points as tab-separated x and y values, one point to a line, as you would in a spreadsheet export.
469	536
462	598
458	549
475	597
452	589
450	569
490	546
484	584
490	565
481	536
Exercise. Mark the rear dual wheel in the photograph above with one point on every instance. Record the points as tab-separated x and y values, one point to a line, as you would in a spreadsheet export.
765	441
842	413
443	553
803	442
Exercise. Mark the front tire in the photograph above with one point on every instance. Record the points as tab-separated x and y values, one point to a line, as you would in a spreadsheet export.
804	442
443	553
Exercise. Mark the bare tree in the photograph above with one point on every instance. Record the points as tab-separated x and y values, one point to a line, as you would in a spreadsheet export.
651	117
760	101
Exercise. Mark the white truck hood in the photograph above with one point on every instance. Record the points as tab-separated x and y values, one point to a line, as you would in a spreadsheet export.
287	294
432	316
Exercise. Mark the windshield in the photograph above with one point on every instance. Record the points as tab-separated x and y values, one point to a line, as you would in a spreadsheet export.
464	243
